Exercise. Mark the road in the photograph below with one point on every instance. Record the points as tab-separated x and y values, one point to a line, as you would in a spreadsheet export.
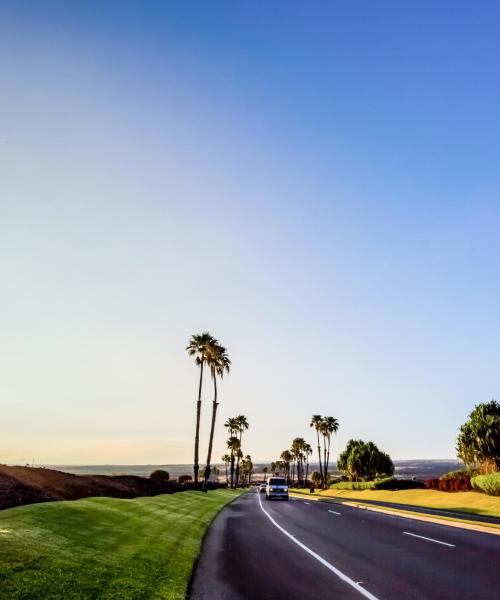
315	550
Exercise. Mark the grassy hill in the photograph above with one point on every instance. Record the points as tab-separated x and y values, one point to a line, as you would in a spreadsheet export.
105	547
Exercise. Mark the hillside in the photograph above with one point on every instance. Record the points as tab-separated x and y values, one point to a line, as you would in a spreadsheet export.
26	485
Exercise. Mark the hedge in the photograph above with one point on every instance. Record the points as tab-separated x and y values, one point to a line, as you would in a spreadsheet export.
488	484
389	483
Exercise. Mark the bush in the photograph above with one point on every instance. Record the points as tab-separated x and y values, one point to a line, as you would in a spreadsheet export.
488	484
454	481
185	479
353	485
391	483
159	475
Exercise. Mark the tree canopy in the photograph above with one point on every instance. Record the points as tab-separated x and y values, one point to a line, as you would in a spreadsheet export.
478	442
363	461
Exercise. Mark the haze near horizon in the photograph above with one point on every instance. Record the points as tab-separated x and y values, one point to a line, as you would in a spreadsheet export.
317	186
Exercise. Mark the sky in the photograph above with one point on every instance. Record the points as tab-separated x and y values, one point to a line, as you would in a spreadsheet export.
316	184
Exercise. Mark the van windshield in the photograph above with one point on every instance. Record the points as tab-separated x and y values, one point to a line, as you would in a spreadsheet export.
277	481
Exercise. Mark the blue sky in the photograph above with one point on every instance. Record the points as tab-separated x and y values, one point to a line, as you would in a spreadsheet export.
317	185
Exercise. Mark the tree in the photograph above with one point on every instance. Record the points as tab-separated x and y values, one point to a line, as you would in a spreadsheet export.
297	451
317	478
307	452
198	345
363	461
329	426
317	423
226	459
265	471
218	361
242	422
478	442
233	445
232	426
285	459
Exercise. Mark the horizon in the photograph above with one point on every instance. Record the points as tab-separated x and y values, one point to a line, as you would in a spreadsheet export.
321	194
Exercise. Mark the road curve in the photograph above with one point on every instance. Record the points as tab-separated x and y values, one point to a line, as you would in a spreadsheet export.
314	550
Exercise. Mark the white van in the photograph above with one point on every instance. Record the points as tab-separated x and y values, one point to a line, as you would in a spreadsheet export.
277	487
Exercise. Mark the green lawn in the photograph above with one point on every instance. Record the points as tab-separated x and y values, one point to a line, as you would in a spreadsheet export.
105	547
467	502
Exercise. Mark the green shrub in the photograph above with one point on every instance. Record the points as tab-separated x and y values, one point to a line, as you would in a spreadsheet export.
488	484
353	485
388	483
159	475
460	473
185	479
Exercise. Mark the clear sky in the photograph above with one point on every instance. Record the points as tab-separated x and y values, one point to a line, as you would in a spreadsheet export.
317	184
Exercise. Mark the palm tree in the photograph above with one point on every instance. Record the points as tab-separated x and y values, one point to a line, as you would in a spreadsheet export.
218	361
316	422
226	459
232	426
286	457
330	425
233	445
198	345
242	425
265	470
307	452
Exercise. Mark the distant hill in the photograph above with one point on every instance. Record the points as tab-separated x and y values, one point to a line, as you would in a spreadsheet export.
26	485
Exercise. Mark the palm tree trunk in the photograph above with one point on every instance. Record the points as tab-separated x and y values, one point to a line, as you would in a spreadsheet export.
307	469
319	456
212	429
196	466
238	463
232	469
225	462
328	456
325	467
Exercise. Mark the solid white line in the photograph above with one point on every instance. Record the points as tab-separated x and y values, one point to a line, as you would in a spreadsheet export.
328	565
422	537
307	503
335	513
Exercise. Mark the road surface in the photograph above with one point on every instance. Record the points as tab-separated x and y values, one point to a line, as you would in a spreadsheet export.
315	550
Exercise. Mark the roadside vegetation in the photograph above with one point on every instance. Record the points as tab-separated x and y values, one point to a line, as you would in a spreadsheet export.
105	548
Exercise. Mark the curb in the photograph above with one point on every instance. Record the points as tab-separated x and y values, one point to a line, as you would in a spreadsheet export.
450	522
425	518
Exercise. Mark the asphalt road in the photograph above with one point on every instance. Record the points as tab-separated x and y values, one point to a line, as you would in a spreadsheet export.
298	549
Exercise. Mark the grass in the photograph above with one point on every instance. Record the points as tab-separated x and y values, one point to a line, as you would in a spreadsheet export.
466	502
105	548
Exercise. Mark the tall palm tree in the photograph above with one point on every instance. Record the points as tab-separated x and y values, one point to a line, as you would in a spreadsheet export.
233	445
232	426
330	426
219	362
242	425
198	345
226	459
317	422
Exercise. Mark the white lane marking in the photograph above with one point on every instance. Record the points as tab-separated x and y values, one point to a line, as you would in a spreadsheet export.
335	513
308	503
328	565
422	537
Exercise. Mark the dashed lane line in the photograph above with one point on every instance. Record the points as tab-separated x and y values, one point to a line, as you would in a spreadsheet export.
422	537
354	584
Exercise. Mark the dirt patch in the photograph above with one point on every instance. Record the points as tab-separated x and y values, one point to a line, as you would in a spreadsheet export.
26	485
